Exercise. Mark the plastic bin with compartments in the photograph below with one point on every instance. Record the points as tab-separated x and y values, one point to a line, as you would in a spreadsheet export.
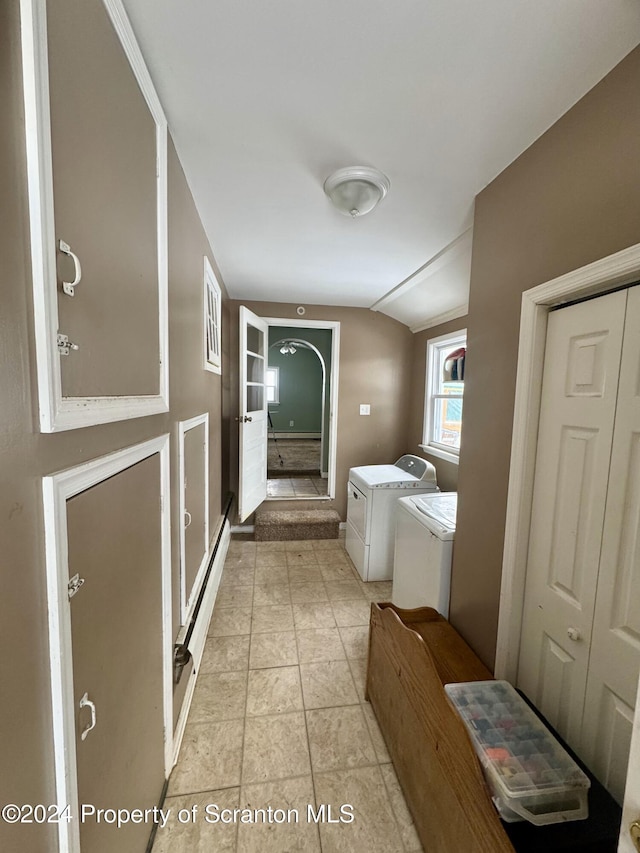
531	776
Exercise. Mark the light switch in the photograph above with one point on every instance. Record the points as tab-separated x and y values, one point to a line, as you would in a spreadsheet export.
365	409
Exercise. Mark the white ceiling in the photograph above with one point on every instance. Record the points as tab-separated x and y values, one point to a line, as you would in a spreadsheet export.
266	99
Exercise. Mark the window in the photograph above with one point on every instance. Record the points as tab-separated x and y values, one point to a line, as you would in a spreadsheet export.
212	307
272	383
443	395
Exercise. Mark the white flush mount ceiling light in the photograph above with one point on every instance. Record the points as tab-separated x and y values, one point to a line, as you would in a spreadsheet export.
356	190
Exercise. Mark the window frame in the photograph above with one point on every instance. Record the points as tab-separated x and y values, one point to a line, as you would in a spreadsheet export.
212	324
275	386
435	346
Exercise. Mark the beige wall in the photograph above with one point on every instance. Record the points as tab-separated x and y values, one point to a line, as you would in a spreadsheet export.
375	368
447	471
571	198
26	455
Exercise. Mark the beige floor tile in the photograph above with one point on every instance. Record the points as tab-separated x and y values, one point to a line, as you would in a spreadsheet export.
302	558
275	747
210	758
313	616
352	612
342	590
326	545
355	641
340	572
239	560
219	696
319	644
234	596
374	828
291	795
332	558
327	684
272	574
225	654
377	739
401	811
339	738
304	574
299	545
274	691
271	618
264	559
302	593
235	576
358	668
198	836
276	649
264	547
230	621
271	593
377	590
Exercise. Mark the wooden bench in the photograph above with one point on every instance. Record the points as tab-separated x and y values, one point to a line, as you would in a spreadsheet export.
412	654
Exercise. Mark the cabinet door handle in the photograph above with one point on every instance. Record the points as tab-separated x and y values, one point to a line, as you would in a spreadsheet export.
85	702
187	518
69	287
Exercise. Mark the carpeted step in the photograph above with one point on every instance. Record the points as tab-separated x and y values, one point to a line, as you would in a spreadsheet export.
276	525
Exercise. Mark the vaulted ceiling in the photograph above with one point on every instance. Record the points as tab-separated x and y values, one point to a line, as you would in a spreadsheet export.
266	99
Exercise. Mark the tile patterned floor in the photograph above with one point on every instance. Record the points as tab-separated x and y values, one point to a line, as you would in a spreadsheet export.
278	716
296	487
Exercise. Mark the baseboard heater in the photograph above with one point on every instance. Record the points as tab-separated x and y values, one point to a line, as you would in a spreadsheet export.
189	643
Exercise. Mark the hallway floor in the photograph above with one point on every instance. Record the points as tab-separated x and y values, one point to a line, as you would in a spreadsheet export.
296	487
279	718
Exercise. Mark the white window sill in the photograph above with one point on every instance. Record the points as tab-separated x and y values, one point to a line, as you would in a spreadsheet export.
440	454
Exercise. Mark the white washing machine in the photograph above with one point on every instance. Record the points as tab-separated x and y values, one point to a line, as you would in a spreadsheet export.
425	529
371	518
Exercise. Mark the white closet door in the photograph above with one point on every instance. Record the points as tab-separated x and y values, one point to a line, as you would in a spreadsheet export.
579	392
615	645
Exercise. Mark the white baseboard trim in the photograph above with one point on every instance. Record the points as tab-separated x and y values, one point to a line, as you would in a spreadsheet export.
316	436
342	525
243	528
199	636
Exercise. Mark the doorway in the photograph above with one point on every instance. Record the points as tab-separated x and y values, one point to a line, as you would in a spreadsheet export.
299	384
253	415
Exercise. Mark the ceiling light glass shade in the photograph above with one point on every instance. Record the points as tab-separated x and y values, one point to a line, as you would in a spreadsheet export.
356	190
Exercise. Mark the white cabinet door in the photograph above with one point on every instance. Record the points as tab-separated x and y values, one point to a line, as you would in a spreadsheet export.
579	393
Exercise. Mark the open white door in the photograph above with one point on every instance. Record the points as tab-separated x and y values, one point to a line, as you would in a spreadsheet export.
252	442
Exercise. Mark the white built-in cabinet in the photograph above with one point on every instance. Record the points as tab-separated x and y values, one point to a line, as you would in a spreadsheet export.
96	141
580	644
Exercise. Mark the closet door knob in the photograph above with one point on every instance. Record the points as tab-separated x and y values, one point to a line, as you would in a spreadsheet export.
573	634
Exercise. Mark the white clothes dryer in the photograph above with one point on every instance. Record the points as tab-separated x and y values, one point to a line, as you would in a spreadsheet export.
425	530
373	492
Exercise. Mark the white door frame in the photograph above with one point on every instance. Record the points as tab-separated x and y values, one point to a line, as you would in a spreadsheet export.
56	490
334	327
595	278
188	597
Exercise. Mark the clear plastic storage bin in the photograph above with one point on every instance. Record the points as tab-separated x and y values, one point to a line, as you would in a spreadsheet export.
531	776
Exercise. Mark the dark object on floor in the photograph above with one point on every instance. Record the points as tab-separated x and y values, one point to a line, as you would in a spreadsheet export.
296	524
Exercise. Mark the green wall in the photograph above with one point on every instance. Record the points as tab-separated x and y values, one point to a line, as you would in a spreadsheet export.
301	383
